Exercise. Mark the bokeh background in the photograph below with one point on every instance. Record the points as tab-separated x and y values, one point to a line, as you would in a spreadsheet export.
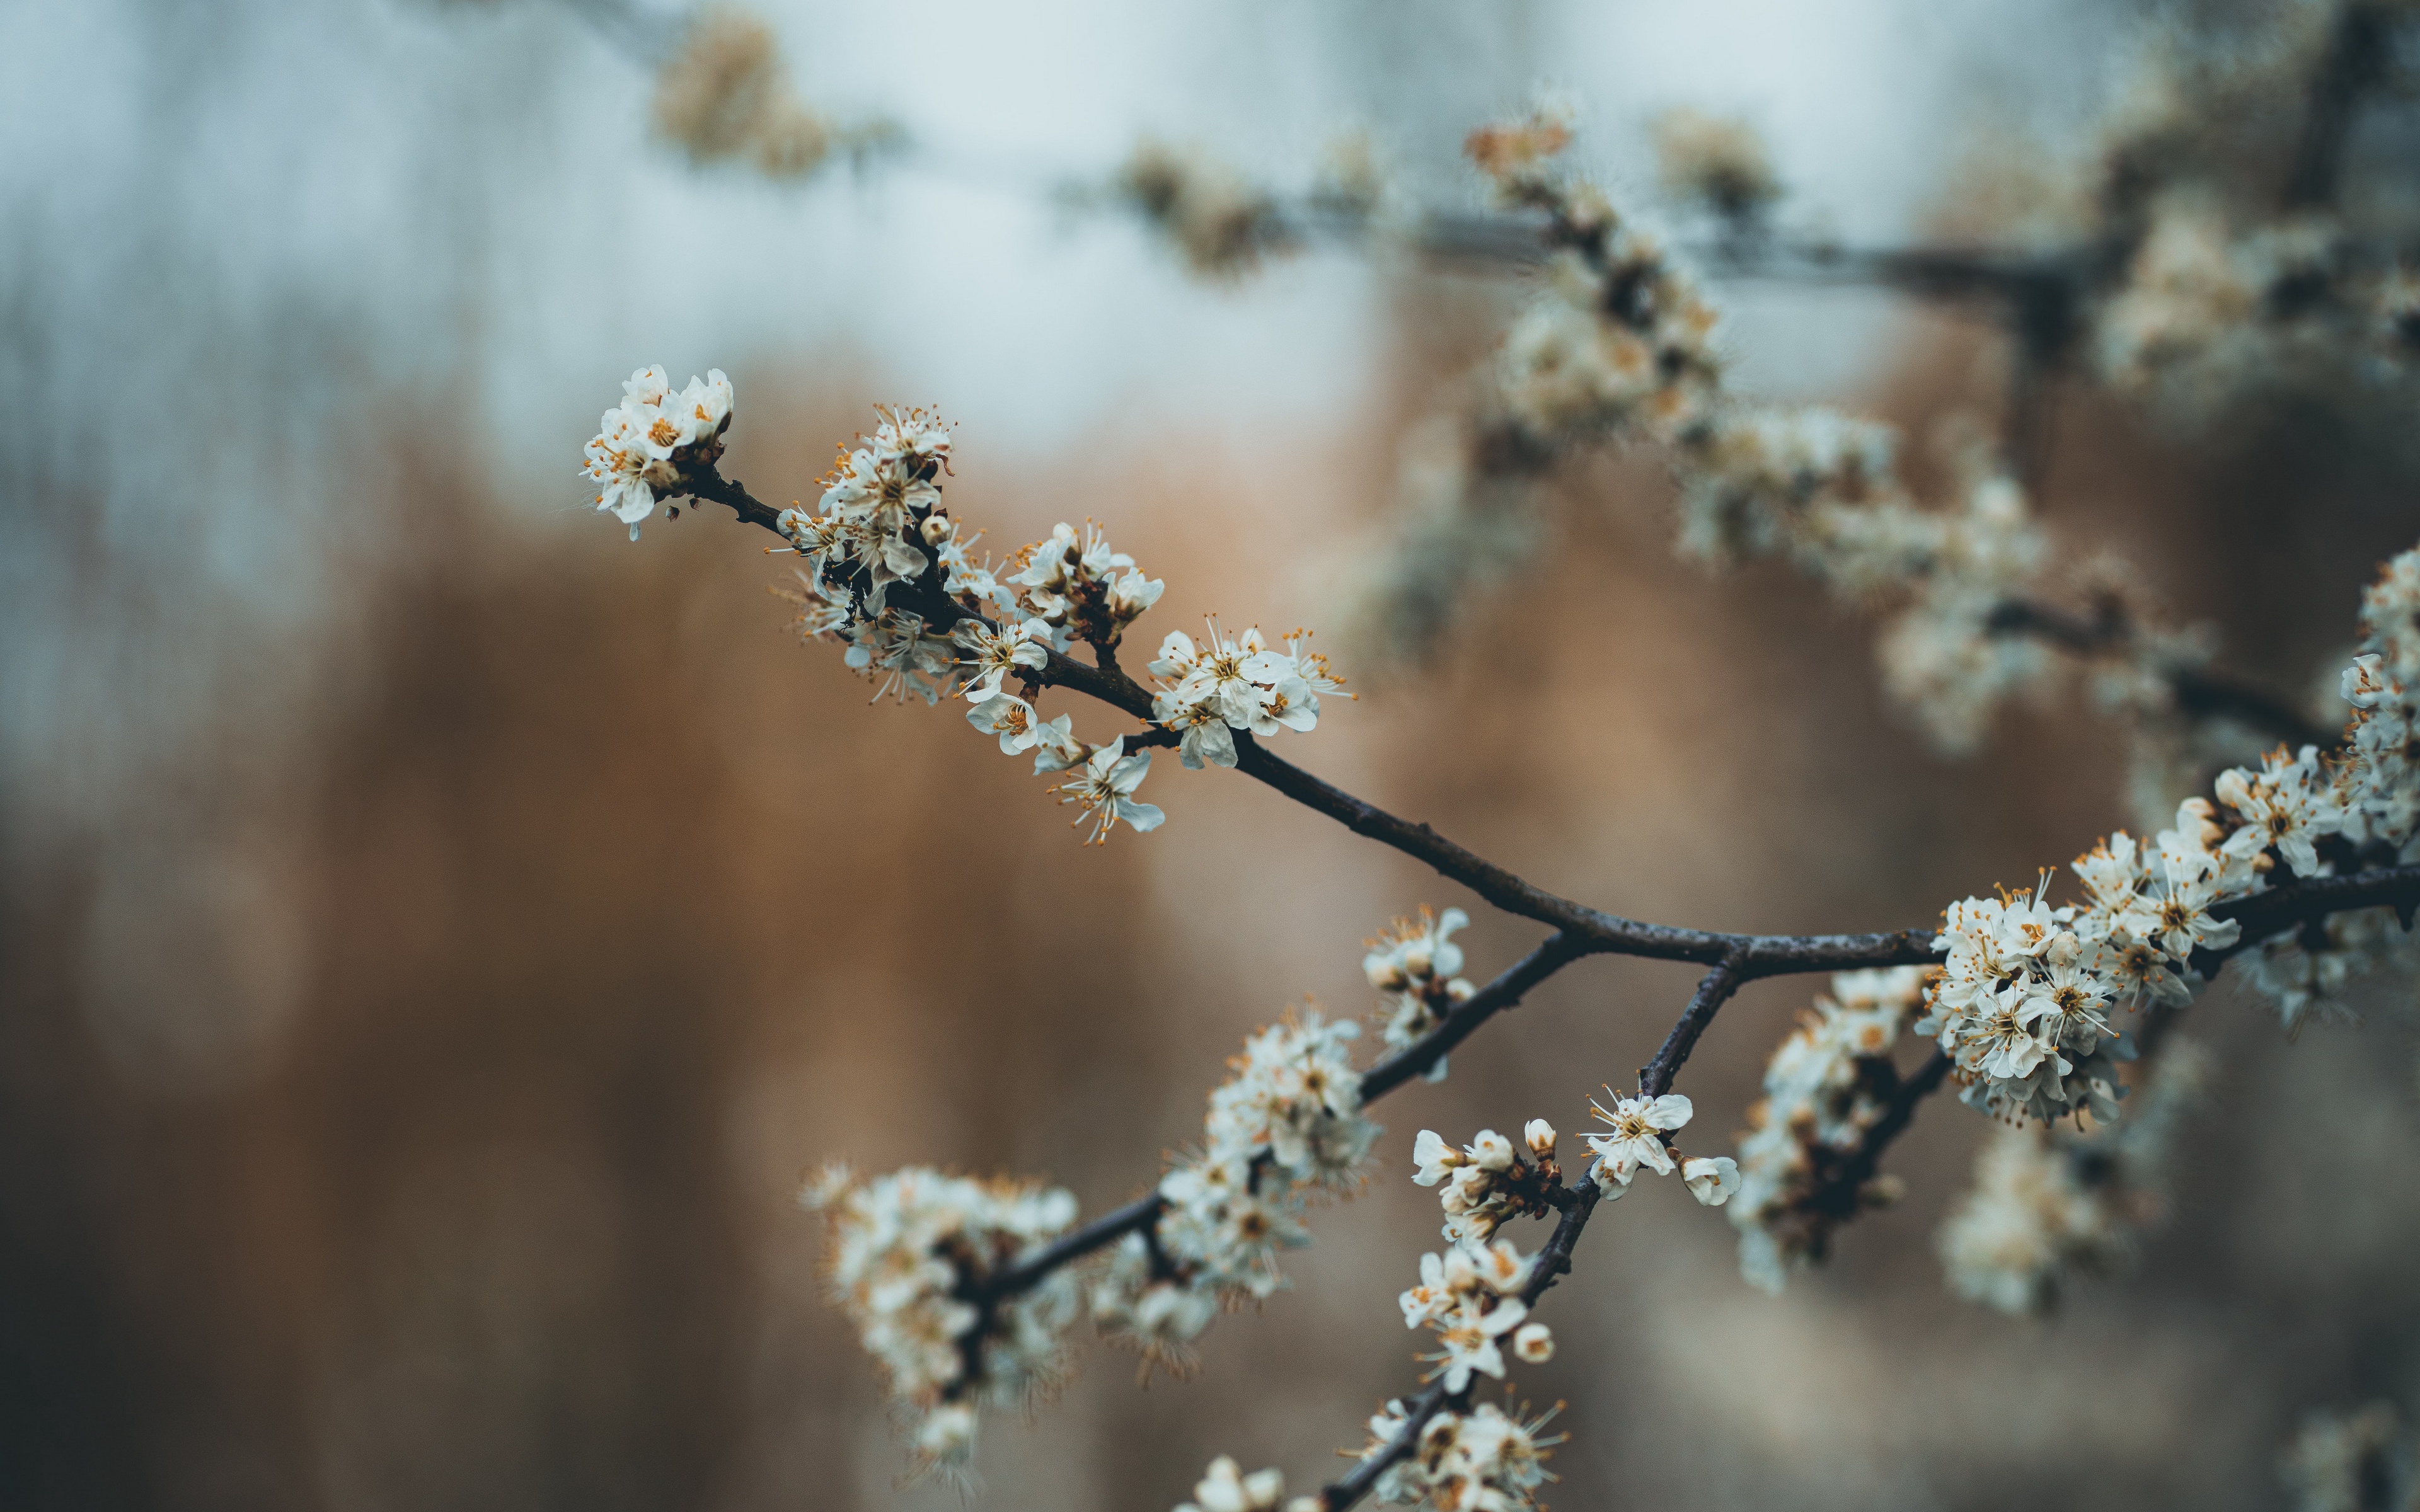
436	934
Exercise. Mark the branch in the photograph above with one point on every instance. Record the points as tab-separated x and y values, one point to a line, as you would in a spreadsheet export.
2267	915
1578	1204
2355	63
1591	930
1713	990
2199	692
1550	956
1549	1264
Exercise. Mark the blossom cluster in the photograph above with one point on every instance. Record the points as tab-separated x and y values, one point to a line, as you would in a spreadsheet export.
1209	693
2051	1200
2034	1001
881	537
1470	1297
1621	340
1484	1458
1827	1084
1284	1126
648	445
1619	346
725	96
907	1252
2209	310
1417	969
1720	163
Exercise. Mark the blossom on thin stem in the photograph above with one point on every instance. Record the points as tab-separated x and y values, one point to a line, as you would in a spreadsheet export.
1470	1297
1105	786
1416	967
1640	1128
649	443
1225	1487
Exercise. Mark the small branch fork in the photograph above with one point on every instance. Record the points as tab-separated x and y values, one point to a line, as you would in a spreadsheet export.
1732	961
1579	1203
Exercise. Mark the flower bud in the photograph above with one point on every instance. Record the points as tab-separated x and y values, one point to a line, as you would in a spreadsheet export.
1540	1136
1385	974
937	527
1492	1150
1534	1343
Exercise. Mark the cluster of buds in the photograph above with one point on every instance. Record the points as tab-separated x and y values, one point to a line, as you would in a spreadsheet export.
910	1255
1489	1182
1482	1458
649	444
1416	967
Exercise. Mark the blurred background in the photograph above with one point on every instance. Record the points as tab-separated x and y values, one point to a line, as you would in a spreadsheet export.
436	934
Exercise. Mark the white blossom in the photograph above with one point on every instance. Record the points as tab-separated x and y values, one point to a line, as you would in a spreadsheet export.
1105	786
1712	1179
1416	966
1639	1126
1226	684
1468	1297
1824	1088
1226	1489
1485	1459
1284	1124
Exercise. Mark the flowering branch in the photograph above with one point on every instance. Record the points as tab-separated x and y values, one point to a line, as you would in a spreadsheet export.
1576	1204
1592	931
964	1287
1550	1264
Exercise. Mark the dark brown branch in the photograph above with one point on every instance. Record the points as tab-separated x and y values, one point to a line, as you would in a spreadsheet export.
2201	692
1551	956
1713	990
2355	64
1549	1265
1593	929
2267	915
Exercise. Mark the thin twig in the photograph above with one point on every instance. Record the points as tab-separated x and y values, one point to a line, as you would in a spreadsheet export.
2199	691
1578	1204
1593	929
